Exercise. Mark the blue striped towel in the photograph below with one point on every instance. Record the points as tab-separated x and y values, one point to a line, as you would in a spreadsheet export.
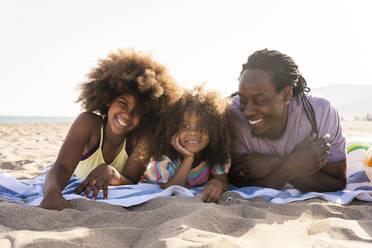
30	192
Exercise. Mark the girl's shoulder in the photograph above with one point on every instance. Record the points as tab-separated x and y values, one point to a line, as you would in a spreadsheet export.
89	118
87	126
88	122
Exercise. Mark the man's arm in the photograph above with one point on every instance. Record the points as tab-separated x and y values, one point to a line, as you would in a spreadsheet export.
332	177
305	168
270	171
246	169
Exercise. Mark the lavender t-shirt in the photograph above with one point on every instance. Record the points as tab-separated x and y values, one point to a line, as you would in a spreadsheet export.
298	128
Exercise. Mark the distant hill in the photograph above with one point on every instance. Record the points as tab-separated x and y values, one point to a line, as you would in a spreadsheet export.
350	100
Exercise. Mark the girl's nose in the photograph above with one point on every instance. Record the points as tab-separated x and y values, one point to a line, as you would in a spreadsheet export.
194	131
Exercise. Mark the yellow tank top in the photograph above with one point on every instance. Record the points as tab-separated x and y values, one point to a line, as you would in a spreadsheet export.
87	165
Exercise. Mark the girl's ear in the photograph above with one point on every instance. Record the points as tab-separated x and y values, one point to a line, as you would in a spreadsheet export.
287	93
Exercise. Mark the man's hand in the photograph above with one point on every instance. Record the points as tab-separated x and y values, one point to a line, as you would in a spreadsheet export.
98	179
310	155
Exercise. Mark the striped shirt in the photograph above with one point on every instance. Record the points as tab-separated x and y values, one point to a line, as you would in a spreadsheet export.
162	171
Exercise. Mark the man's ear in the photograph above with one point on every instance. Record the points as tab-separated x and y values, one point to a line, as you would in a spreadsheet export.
287	93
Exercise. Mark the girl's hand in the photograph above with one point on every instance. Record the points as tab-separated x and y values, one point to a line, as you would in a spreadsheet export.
98	179
55	202
179	148
213	190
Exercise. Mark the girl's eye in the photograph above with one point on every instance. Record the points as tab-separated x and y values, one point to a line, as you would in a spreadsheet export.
202	129
184	126
123	103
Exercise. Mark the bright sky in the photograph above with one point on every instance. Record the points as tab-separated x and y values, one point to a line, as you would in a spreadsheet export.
47	47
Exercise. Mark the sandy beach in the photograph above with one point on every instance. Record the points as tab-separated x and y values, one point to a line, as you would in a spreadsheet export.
26	149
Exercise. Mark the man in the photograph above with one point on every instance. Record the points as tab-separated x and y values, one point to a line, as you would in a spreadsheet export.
281	135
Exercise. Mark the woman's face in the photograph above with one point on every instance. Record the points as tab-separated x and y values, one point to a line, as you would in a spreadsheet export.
264	107
123	114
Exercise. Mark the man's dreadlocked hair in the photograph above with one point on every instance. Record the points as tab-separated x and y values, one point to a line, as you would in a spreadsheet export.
284	72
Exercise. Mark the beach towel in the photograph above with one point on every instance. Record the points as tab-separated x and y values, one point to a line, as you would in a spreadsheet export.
30	192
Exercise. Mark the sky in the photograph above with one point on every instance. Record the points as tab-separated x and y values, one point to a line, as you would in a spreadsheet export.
48	47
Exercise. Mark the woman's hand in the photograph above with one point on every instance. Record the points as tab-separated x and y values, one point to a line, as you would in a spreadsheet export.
98	179
181	149
55	202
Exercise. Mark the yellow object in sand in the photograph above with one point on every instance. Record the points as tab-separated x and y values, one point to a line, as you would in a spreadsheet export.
368	158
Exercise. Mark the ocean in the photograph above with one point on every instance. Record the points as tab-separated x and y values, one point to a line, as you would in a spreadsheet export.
34	119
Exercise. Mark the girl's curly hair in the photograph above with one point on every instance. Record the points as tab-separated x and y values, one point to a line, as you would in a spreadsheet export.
127	71
212	114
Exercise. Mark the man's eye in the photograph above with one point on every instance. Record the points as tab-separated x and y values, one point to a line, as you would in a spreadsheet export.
260	101
184	126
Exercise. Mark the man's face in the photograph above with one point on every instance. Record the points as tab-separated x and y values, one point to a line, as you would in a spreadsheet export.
264	107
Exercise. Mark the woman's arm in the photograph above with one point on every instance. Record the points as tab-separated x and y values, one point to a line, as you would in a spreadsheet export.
67	160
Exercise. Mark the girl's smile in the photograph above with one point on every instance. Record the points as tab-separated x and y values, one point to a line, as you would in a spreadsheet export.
123	116
192	136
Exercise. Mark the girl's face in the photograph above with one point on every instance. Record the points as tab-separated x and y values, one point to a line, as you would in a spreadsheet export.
123	114
264	107
193	135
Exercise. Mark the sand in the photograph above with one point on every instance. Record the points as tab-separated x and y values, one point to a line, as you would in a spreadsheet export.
27	149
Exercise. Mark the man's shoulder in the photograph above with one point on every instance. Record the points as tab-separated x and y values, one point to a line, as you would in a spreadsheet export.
318	102
234	103
321	106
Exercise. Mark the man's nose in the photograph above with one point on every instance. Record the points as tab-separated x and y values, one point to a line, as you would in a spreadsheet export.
249	110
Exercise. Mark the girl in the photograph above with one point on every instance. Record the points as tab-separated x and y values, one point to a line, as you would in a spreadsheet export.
108	144
191	145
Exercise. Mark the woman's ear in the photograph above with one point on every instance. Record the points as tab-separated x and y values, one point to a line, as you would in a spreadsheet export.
287	93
